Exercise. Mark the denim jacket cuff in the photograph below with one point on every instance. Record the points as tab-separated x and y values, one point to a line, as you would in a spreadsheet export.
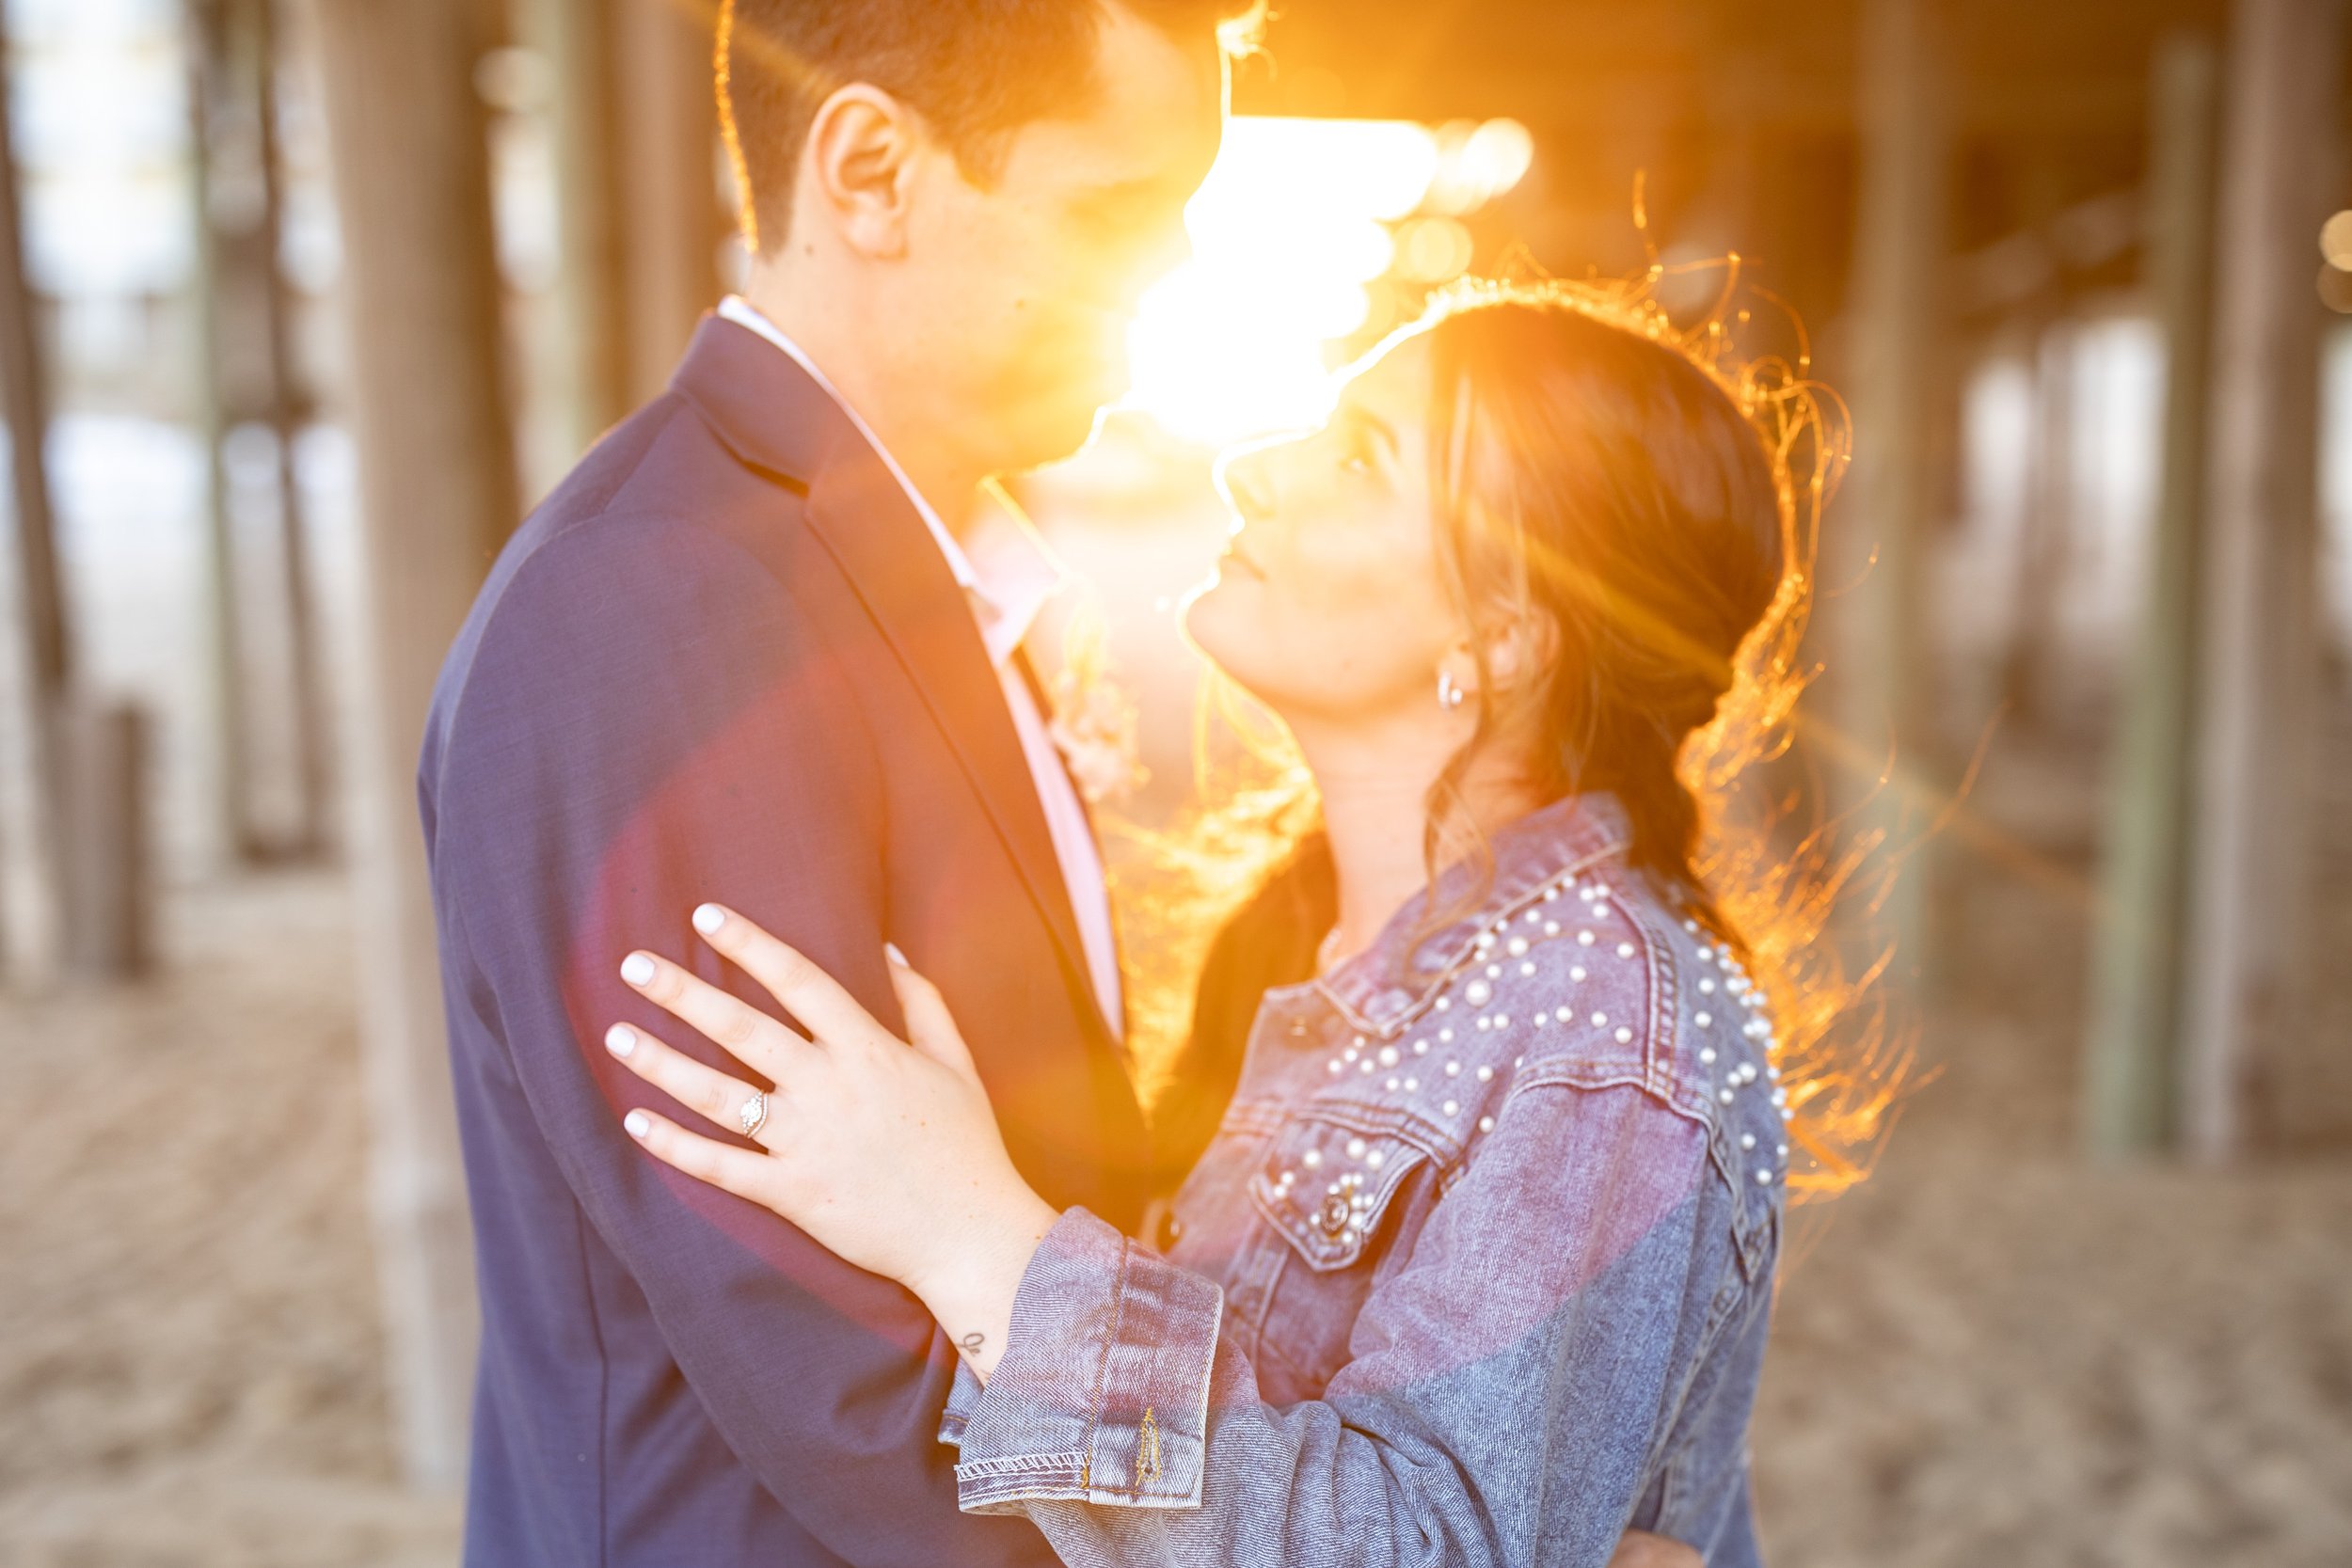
962	1395
1102	1393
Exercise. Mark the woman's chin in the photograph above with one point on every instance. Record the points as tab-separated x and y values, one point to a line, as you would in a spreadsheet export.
1225	623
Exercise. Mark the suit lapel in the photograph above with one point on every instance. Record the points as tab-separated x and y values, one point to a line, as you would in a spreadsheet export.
772	414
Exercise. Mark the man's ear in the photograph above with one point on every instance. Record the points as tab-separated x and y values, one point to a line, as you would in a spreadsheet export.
859	167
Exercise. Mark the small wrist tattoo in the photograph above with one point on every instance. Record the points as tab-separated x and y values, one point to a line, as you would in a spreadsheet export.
972	1342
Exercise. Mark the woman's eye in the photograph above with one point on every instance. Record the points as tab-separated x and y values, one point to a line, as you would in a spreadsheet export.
1357	462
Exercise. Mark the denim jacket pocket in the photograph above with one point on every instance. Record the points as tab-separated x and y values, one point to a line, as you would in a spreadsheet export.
1326	1181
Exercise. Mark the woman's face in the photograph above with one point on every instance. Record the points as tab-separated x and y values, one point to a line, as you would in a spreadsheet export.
1330	602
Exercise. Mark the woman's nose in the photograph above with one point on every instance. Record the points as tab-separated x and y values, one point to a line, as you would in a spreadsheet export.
1248	483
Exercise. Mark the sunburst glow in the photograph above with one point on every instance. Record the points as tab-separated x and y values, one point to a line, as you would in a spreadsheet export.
1303	235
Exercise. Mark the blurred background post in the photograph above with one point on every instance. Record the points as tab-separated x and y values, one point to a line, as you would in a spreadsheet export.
438	497
304	302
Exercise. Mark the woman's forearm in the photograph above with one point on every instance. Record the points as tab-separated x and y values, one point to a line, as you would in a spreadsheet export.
972	1292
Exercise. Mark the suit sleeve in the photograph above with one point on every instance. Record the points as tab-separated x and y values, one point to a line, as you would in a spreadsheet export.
646	724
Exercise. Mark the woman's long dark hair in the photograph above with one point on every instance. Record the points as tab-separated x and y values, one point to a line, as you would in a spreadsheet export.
1643	508
1600	484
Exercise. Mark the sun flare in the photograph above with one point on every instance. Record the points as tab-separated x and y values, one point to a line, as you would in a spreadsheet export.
1309	237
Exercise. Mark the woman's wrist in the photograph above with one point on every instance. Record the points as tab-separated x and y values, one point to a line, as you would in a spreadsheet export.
970	1289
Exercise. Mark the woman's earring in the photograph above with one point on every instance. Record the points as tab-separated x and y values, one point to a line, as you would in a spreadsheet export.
1449	695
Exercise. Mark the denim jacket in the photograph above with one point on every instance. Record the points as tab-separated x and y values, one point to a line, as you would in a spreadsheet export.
1477	1268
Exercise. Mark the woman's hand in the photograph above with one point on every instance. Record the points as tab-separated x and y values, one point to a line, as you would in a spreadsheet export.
887	1156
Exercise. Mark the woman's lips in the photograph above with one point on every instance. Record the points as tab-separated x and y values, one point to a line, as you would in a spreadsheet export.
1239	557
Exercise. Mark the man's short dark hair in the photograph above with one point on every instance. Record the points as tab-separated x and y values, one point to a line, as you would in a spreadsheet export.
976	70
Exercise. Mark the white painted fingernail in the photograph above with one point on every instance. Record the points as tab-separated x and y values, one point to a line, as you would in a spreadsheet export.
637	970
708	918
895	957
637	1124
620	1040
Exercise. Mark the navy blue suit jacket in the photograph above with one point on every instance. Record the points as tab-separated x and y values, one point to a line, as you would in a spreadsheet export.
724	660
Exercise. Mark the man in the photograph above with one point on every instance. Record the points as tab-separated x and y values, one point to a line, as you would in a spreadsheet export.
762	648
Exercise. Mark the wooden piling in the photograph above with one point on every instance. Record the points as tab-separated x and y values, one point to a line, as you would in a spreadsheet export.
106	843
636	145
2130	1093
592	283
1876	688
439	494
669	171
2257	688
36	947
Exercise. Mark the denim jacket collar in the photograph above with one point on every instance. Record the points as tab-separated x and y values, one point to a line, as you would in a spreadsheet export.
1400	974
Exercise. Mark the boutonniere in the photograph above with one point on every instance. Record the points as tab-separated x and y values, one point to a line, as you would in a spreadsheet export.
1094	724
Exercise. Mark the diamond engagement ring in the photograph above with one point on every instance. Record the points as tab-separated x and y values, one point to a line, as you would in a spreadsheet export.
753	1115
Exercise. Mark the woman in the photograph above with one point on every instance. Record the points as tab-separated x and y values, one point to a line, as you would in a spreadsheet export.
1477	1265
